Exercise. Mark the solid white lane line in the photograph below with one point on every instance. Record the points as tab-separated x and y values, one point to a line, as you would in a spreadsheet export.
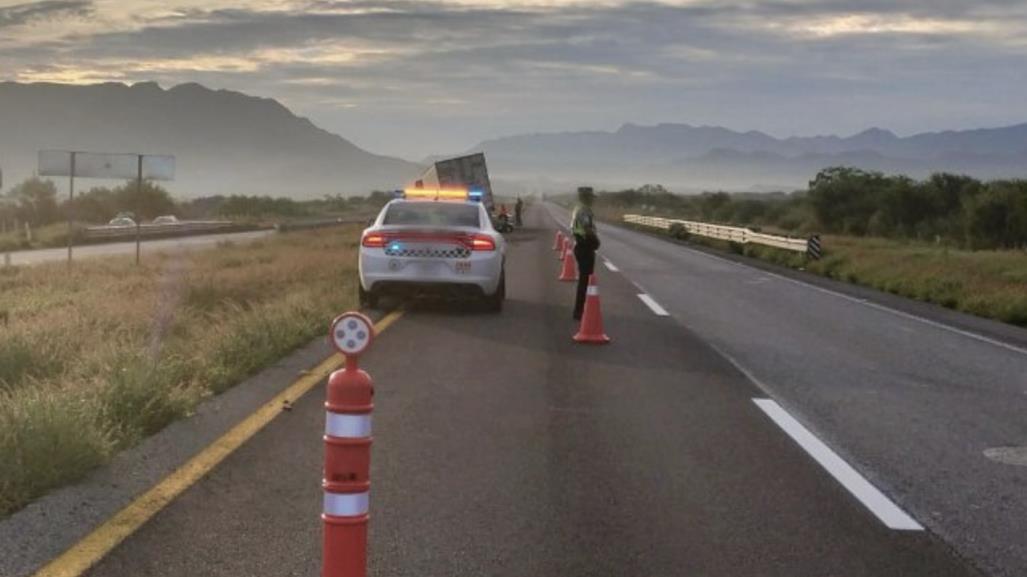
653	305
883	308
611	266
881	506
741	368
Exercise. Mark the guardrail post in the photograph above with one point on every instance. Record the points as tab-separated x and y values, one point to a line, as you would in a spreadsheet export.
813	249
347	465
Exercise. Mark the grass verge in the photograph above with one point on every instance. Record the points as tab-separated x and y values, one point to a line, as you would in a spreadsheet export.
95	359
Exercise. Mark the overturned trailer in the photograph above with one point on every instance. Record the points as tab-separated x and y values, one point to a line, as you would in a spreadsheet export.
467	172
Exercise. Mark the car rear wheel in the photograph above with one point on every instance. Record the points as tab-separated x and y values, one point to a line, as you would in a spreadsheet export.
494	302
368	299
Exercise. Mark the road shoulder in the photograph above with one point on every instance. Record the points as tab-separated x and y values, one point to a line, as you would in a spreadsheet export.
46	528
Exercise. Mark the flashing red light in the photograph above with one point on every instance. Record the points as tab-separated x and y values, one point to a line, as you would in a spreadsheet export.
373	240
482	242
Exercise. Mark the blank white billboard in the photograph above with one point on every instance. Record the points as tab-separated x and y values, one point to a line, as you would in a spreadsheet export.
105	165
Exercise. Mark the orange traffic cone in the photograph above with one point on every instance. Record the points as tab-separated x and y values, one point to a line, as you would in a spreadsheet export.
558	241
569	271
591	330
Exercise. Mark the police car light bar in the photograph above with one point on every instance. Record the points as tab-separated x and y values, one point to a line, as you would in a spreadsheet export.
436	194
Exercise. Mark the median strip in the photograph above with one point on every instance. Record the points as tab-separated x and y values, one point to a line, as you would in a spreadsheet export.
873	499
88	551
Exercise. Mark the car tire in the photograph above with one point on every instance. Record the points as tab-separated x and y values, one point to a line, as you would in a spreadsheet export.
494	302
368	299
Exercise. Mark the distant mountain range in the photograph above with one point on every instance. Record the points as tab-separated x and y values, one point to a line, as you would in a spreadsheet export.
230	143
224	142
692	158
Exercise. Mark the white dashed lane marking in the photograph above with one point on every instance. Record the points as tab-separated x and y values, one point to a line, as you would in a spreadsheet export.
881	506
653	305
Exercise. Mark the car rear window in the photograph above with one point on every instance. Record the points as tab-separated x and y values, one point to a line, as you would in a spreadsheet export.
433	214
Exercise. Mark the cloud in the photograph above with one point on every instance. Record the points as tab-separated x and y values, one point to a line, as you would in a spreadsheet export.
416	74
21	14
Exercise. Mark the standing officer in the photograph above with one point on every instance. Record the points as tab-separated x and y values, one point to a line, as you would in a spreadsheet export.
586	243
518	208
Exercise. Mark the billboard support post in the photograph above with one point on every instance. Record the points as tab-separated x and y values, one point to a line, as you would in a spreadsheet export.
139	201
71	207
108	166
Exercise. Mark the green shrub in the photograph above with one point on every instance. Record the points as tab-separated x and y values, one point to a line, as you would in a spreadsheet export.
47	439
142	396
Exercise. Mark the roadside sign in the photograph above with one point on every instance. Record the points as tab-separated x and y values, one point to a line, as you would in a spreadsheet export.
72	163
106	165
352	333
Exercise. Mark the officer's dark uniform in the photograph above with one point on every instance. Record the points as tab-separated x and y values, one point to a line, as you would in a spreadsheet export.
586	243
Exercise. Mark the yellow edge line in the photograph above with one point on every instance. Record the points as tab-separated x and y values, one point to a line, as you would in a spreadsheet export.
93	547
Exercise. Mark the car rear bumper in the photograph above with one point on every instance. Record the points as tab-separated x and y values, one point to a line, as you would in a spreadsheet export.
432	289
477	275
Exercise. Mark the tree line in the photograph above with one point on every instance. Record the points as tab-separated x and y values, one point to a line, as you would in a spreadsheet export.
955	209
36	201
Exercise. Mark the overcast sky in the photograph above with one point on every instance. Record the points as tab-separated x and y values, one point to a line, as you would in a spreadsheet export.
419	77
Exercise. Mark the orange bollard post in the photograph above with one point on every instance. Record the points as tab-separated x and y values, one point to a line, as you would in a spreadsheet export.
591	330
347	465
558	241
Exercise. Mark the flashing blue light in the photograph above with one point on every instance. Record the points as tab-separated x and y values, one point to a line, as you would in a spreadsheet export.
395	246
475	194
399	194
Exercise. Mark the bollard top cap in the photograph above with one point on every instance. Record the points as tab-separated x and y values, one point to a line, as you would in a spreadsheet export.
351	333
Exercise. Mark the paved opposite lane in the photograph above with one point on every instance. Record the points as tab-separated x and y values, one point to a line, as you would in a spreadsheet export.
503	448
912	405
25	257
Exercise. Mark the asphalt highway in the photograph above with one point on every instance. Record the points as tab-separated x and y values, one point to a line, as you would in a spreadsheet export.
42	255
503	448
911	403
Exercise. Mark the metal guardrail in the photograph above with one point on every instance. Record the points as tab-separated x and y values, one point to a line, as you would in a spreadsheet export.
729	233
320	223
151	230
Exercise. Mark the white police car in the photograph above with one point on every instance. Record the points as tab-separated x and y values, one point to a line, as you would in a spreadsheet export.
438	242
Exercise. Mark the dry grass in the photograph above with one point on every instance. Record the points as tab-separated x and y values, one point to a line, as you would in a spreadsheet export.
93	360
986	283
47	236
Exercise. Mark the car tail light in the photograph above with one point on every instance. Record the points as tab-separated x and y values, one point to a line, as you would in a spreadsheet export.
373	240
482	242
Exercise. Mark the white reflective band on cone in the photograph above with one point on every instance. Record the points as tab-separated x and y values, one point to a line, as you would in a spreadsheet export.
593	291
346	504
347	426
